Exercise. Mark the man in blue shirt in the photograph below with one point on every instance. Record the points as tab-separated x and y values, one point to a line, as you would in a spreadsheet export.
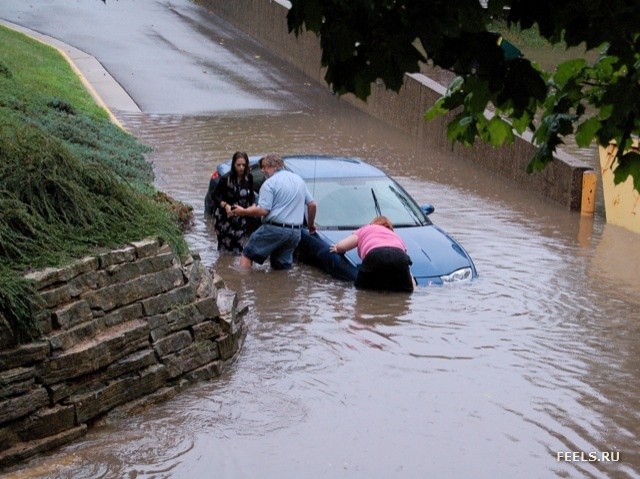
282	201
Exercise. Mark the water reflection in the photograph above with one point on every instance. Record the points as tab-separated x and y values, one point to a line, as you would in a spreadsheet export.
487	379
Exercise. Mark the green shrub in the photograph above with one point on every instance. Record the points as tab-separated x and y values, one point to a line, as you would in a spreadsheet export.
70	181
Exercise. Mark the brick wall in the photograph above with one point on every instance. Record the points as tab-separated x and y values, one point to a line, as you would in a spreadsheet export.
121	328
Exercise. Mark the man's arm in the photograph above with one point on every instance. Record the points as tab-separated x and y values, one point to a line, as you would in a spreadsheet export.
311	216
252	210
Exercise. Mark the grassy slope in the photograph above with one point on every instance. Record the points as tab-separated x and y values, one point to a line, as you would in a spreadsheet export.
539	50
39	69
70	181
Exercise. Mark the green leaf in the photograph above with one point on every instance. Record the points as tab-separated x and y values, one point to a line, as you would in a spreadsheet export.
586	131
605	112
455	85
462	129
308	13
604	65
568	70
542	157
628	166
522	122
522	87
436	110
499	131
367	40
477	100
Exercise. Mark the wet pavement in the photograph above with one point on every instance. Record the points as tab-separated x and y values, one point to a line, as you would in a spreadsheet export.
508	376
170	56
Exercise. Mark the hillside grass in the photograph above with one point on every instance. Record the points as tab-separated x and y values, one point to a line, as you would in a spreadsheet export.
70	180
39	68
537	48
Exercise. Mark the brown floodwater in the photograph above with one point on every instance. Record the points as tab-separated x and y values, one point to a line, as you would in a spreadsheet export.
494	378
531	371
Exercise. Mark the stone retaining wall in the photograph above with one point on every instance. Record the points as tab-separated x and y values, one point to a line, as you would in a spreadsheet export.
137	323
265	20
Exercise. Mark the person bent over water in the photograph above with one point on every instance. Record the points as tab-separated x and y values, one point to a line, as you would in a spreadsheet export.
282	201
385	262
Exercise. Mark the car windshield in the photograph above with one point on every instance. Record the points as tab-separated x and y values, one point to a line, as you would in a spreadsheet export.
348	203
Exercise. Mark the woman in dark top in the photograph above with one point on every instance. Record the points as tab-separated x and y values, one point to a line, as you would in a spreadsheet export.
234	189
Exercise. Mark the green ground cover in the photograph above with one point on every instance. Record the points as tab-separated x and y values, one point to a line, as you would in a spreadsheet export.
537	48
70	180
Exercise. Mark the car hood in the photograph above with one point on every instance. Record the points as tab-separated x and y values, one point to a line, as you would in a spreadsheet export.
432	251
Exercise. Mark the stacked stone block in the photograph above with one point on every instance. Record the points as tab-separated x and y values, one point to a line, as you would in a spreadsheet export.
124	325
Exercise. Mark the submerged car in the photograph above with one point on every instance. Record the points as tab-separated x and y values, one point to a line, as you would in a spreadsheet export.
349	193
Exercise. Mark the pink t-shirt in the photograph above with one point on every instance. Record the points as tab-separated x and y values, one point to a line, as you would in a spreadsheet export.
376	236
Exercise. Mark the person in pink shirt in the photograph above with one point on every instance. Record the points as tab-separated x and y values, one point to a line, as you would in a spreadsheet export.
385	262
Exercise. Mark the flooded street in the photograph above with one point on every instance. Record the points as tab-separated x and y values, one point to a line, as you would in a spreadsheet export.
489	379
532	371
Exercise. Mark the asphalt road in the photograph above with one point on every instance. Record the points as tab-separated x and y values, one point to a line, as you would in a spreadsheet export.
171	56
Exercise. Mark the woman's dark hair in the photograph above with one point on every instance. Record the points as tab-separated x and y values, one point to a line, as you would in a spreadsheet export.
236	156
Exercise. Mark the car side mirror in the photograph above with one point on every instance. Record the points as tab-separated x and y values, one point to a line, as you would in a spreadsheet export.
427	209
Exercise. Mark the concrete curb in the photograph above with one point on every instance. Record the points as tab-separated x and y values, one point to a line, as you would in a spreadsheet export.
105	90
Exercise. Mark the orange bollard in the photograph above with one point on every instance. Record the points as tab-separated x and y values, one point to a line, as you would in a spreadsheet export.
588	205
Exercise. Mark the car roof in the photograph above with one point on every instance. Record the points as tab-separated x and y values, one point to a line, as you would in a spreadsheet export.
324	166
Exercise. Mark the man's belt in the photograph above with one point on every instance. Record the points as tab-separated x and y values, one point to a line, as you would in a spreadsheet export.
283	225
